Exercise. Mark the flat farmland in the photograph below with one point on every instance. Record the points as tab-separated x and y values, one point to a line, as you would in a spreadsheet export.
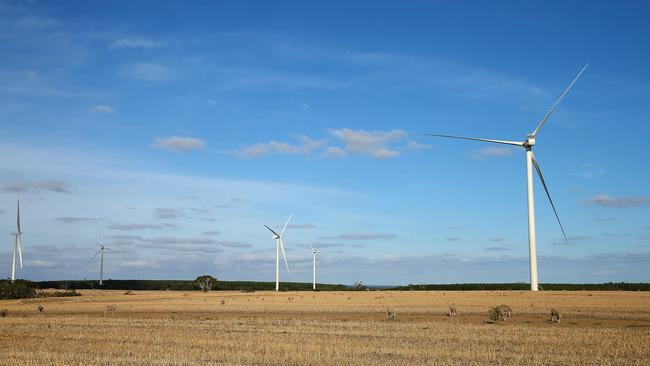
326	328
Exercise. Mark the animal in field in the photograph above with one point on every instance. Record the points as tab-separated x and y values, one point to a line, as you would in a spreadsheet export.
223	302
40	308
452	310
555	316
390	315
110	309
506	311
3	313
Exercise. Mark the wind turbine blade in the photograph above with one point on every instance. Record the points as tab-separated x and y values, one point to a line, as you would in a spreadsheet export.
285	225
311	244
541	123
276	234
93	257
18	217
283	254
541	177
20	251
515	143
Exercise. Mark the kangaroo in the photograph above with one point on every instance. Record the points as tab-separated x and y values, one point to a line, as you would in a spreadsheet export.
452	311
111	309
555	316
506	311
40	308
390	315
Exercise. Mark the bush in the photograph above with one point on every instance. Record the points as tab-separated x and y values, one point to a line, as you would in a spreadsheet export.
495	314
19	289
66	293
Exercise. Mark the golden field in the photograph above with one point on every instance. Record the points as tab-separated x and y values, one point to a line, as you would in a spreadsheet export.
326	328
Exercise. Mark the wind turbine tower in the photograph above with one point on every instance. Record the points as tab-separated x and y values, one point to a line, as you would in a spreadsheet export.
279	246
531	162
18	244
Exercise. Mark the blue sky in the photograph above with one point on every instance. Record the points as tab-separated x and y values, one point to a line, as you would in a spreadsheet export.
177	131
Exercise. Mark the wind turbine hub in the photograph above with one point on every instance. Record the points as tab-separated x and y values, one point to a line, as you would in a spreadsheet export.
530	141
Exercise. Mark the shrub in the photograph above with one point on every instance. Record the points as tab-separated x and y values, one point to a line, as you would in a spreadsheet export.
495	314
19	289
66	293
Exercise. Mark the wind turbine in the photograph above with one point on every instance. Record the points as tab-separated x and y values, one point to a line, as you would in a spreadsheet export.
279	246
528	144
18	244
102	248
313	255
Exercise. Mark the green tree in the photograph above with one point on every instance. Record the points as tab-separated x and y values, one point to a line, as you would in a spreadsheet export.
205	282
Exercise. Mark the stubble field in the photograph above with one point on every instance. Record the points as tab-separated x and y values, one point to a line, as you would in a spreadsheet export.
326	328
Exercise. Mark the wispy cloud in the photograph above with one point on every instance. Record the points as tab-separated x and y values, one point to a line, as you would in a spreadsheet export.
147	71
301	226
333	152
167	213
77	220
497	248
491	152
572	240
136	42
131	227
37	186
363	236
589	171
617	202
413	145
370	143
179	143
615	235
102	109
211	233
305	146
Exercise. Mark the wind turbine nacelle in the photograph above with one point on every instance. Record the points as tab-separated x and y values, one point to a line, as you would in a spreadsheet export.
530	141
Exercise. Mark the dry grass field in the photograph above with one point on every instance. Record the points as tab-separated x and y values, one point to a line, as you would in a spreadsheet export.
326	328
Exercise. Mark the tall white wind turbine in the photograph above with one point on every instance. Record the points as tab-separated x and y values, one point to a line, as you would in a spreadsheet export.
279	243
531	162
18	244
102	248
313	255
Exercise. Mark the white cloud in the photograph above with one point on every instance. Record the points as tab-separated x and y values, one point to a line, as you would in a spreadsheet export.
139	263
372	143
36	186
306	146
147	71
413	145
102	109
589	171
136	42
618	202
40	263
333	152
178	143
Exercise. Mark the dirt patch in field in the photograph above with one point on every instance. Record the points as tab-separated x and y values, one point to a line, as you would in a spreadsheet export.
519	320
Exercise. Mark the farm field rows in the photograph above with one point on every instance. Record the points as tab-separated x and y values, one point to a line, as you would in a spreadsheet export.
326	328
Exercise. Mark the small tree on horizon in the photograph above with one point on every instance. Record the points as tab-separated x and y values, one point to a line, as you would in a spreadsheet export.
205	282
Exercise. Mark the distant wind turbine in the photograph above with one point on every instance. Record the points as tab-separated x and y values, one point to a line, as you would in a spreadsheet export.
279	246
102	248
528	144
18	244
313	254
